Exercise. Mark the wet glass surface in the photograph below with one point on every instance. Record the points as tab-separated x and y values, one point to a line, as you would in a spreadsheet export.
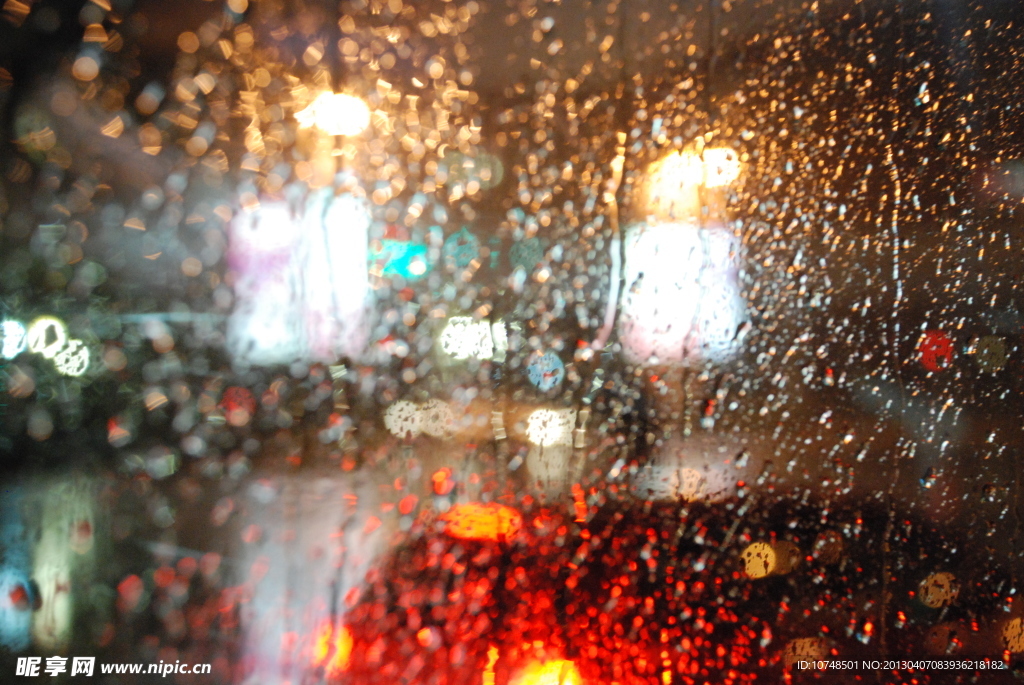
516	342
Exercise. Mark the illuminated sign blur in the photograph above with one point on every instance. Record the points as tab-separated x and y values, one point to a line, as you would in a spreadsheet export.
46	336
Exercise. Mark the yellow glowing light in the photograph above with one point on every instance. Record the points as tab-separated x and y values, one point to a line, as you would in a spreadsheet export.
717	167
333	649
673	189
555	672
322	648
342	652
676	170
759	560
336	114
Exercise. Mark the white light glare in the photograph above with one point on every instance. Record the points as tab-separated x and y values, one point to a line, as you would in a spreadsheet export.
336	114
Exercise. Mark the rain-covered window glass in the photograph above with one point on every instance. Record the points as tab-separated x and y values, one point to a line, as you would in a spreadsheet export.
511	342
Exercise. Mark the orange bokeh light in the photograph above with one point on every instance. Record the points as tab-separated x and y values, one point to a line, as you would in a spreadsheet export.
482	521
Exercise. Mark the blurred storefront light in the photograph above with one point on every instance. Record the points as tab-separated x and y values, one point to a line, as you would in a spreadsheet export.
62	558
16	606
46	336
405	419
18	596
